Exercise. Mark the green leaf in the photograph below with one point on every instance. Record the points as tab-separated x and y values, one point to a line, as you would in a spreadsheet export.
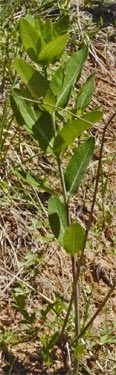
73	238
73	70
30	20
32	180
61	26
53	50
43	130
85	93
35	82
49	101
45	29
74	129
79	350
22	110
53	340
78	165
41	127
57	81
19	301
57	217
30	39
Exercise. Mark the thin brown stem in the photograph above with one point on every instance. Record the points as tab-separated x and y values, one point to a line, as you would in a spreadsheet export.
76	295
77	313
62	183
74	267
94	195
100	308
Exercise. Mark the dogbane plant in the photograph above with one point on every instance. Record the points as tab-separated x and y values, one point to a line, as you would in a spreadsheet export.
41	104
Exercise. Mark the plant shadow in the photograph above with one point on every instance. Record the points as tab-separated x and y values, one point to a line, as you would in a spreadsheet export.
99	9
12	365
33	366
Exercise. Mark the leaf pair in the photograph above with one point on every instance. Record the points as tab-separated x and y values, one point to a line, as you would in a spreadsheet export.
41	126
77	166
43	42
58	91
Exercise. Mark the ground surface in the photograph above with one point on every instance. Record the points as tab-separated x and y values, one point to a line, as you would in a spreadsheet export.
24	229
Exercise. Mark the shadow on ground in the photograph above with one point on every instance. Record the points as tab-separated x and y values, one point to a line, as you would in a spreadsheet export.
33	366
106	11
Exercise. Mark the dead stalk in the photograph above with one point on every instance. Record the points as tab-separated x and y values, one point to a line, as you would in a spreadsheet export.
100	308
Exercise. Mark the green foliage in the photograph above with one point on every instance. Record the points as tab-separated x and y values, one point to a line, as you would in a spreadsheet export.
49	340
107	336
41	108
73	238
7	336
58	307
53	50
85	94
48	344
79	351
19	301
57	217
32	180
40	128
45	82
43	130
42	41
33	79
30	39
77	165
69	76
61	26
31	259
74	129
22	110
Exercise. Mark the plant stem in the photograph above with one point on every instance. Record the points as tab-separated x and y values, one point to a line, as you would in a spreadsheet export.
67	315
55	108
96	313
77	314
63	185
2	124
74	268
94	195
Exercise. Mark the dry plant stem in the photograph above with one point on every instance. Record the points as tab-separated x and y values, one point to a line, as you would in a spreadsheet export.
74	268
90	218
96	313
2	125
77	304
94	195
